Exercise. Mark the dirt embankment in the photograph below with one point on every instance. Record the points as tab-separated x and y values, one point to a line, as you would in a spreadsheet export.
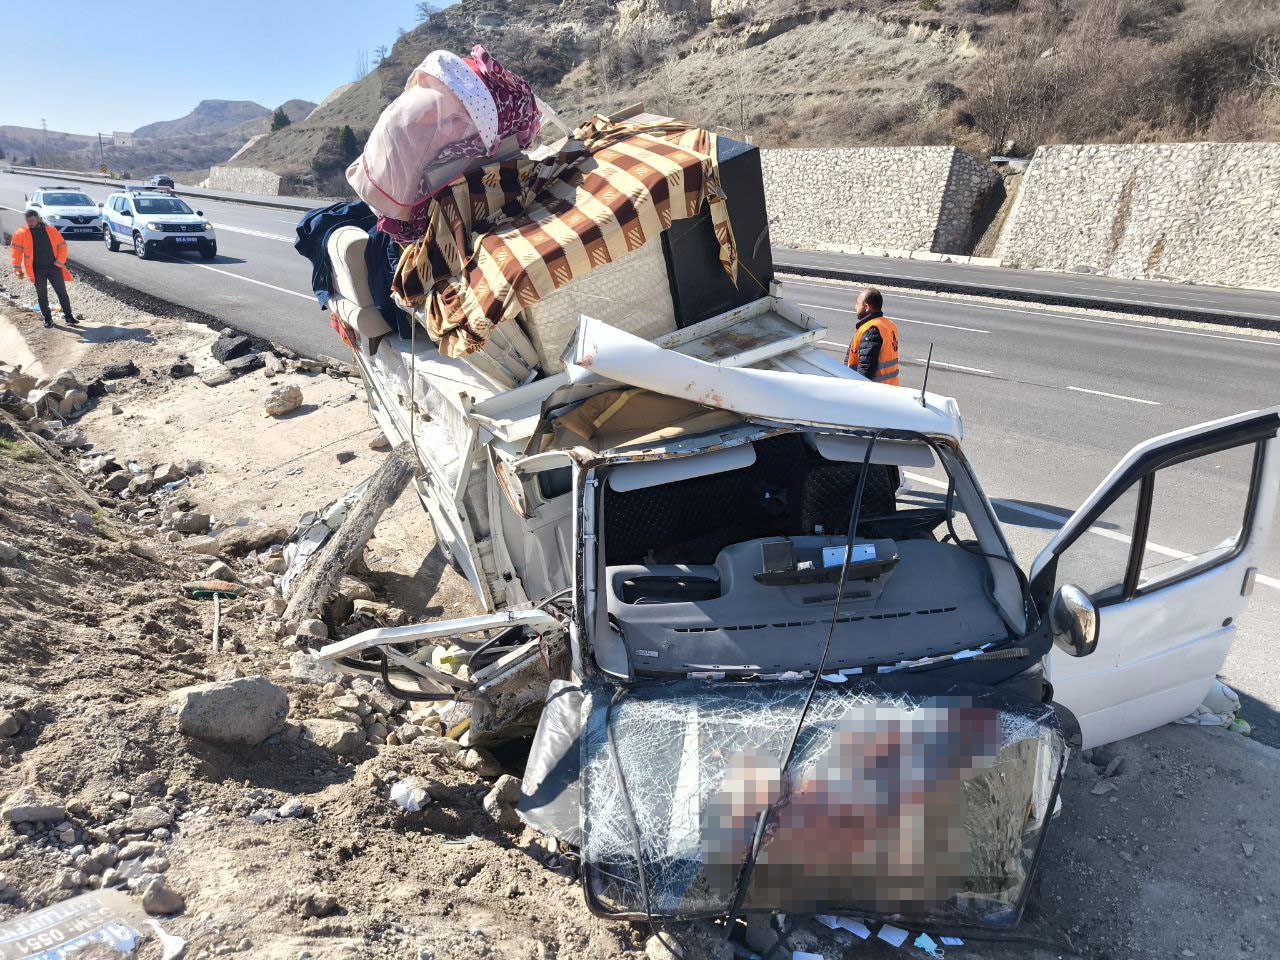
292	846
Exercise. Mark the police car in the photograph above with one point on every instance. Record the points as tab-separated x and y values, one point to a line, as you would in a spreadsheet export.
152	222
71	211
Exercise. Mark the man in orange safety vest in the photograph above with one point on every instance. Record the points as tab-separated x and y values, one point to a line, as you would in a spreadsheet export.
874	349
39	253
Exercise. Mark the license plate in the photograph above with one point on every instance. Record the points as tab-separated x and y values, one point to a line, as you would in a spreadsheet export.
186	239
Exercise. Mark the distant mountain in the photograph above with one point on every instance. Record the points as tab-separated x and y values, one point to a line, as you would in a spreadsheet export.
209	116
209	134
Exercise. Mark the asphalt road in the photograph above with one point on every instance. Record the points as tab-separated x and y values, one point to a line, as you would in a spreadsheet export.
1146	296
1052	398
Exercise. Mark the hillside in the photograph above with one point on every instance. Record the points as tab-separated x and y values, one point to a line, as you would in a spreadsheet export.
987	75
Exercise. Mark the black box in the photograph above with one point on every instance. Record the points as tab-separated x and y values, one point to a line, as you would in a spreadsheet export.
699	286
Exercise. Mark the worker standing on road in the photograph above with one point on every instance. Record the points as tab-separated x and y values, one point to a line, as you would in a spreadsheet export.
39	253
874	349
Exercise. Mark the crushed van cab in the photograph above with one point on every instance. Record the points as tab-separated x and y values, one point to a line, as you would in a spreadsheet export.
759	674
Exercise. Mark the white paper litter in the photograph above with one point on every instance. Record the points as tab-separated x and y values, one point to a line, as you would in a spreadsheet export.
951	941
856	927
894	936
834	677
409	795
173	947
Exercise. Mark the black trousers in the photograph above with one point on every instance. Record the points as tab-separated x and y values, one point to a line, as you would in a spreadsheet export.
53	275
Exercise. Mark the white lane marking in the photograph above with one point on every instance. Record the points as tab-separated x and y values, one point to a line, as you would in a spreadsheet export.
1060	520
1035	311
927	323
236	276
253	233
954	366
1115	396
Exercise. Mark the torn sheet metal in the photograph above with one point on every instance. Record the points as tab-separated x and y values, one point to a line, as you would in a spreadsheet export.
775	395
63	930
906	796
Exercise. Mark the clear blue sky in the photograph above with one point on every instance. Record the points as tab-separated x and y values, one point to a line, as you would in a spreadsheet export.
165	56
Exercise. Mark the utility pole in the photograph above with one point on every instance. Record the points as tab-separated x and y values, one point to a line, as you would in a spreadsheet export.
44	127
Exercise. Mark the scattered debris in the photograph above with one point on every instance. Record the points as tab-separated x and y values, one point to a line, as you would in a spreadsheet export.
30	804
283	399
119	370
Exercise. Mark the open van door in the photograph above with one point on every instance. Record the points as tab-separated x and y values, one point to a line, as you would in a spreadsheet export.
1167	550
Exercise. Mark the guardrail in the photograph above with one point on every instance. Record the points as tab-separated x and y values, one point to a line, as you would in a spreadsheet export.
299	204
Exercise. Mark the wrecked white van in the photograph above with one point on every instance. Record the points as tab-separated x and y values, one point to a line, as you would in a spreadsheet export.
761	676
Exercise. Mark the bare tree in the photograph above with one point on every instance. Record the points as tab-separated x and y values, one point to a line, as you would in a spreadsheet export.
380	54
426	9
1266	62
362	64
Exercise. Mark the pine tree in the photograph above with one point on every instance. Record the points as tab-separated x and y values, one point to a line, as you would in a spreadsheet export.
279	120
347	144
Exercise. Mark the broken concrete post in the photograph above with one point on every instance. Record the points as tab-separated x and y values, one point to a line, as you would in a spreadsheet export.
320	578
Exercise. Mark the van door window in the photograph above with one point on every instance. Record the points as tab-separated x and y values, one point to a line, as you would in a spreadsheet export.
1199	509
1098	560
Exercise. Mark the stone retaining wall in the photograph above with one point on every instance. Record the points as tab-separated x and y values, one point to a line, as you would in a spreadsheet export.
245	180
875	198
1199	212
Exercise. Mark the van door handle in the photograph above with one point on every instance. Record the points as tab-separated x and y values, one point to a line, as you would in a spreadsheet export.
1250	576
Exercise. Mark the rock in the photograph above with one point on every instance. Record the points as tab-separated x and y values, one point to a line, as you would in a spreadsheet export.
336	736
229	346
345	456
664	947
347	701
120	370
241	712
274	563
220	571
376	732
1103	787
293	807
442	746
140	485
216	376
118	481
380	442
190	521
8	553
238	540
479	763
242	365
11	722
136	849
95	389
180	370
352	589
272	364
313	628
499	802
73	401
159	898
167	473
303	666
81	518
32	805
315	903
147	818
283	399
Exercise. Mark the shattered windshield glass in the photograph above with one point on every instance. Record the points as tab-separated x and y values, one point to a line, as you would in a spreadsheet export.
905	796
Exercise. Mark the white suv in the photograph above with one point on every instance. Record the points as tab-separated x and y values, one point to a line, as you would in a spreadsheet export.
153	222
71	211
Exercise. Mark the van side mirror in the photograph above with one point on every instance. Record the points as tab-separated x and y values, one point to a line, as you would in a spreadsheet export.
1073	619
199	213
99	205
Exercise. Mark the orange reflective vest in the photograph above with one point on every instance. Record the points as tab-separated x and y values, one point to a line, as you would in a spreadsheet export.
22	250
887	364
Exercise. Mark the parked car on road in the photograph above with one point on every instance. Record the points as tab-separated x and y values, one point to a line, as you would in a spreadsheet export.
162	183
152	222
72	212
